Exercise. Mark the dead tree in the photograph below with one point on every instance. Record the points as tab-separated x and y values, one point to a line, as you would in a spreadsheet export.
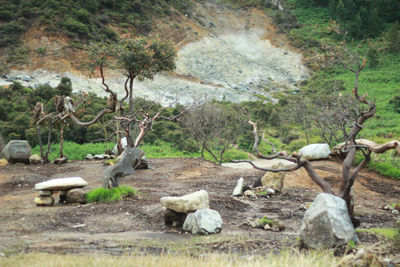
350	147
132	155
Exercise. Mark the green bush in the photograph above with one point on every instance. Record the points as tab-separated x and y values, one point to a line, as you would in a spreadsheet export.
109	195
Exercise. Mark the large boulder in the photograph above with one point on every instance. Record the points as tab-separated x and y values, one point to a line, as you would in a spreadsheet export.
326	223
204	222
274	180
61	184
186	203
17	151
315	151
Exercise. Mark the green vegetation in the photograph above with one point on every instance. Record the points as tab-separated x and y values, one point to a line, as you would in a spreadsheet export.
108	195
264	220
85	20
388	233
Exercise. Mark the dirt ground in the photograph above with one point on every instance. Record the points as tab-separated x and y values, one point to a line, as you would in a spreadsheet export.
136	225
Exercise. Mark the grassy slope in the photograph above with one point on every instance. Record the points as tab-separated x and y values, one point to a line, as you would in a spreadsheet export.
382	82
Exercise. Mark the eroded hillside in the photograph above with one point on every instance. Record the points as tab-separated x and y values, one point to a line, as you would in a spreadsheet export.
224	53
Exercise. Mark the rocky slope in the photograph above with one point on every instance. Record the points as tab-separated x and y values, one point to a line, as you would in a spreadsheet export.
224	53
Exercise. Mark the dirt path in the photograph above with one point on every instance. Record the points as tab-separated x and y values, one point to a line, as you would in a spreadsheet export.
136	225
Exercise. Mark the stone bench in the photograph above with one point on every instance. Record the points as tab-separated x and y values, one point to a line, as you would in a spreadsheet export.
70	188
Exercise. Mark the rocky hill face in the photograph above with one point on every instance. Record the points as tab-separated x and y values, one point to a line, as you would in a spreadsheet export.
224	53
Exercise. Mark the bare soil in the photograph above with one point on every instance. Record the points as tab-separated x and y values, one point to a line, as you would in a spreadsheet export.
136	225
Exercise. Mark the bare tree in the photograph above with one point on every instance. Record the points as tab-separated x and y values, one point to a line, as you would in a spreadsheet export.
215	128
350	147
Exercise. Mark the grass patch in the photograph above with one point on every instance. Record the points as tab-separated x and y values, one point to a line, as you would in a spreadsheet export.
388	233
108	195
264	221
288	258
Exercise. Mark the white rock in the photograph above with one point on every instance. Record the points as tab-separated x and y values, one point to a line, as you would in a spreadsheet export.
61	184
396	212
186	203
98	156
124	143
239	187
89	157
315	151
204	222
326	223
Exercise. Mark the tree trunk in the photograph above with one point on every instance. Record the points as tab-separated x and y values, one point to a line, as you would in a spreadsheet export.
40	142
130	95
61	140
46	156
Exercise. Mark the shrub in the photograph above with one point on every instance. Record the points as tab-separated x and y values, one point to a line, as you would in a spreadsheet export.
109	195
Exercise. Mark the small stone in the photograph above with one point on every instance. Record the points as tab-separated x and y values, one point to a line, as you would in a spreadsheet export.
44	201
250	193
89	157
45	193
239	187
396	212
79	225
35	159
267	227
278	226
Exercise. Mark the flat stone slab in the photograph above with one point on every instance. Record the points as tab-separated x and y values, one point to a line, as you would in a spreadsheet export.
61	184
186	203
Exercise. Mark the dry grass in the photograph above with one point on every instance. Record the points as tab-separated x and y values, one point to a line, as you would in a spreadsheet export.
286	259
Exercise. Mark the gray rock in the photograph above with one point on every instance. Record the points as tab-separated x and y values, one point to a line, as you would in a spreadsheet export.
44	201
204	222
396	212
26	78
239	187
327	223
186	203
315	151
45	193
76	195
17	151
61	184
89	157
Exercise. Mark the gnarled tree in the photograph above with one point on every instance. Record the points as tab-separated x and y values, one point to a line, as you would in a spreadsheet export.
349	148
